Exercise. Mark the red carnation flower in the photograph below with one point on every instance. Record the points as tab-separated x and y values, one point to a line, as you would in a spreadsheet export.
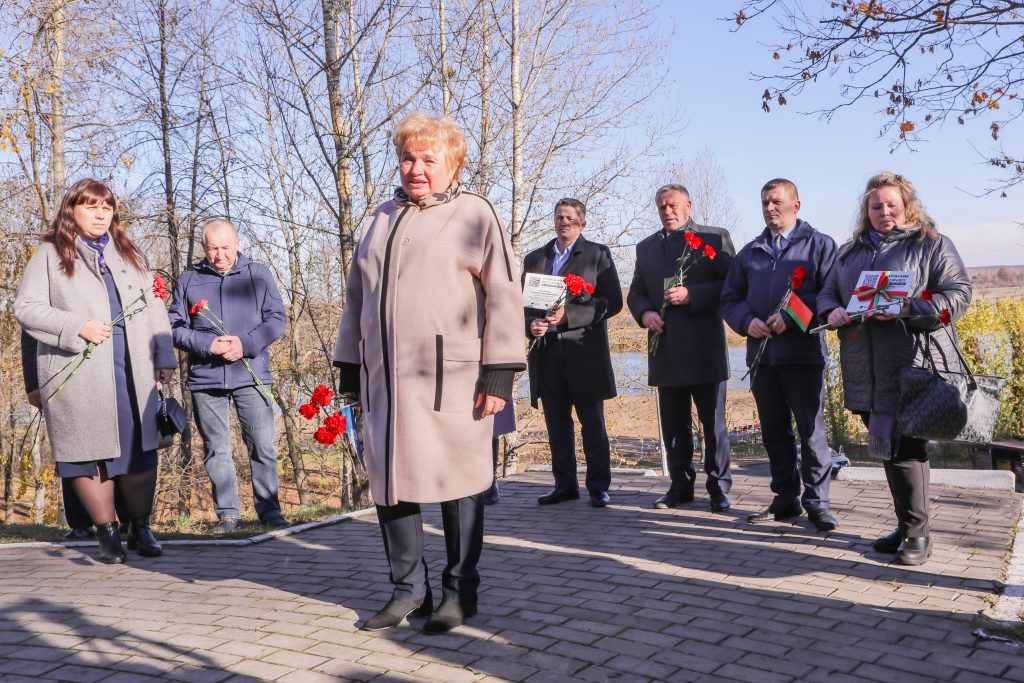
308	411
325	436
322	396
796	280
589	288
159	287
710	252
575	284
336	423
944	317
926	295
692	240
199	305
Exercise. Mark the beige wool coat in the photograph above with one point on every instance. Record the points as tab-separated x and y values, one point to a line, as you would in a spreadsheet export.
433	300
82	419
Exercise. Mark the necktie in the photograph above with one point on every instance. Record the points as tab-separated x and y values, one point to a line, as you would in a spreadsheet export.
778	244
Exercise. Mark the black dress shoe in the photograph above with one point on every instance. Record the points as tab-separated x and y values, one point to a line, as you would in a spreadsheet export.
889	543
769	516
111	551
446	617
274	520
823	519
141	539
492	495
558	495
720	502
670	500
914	551
600	499
79	534
395	612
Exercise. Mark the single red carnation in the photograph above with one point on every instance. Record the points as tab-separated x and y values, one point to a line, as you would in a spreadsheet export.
926	295
308	411
574	283
588	287
796	280
159	287
322	396
692	240
944	317
336	423
325	436
199	305
710	252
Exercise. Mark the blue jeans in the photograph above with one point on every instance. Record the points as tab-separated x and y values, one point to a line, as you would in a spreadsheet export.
256	418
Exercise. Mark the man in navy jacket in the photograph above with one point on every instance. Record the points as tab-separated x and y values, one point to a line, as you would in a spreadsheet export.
244	317
789	381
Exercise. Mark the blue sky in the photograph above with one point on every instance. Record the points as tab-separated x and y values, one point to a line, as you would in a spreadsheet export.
830	161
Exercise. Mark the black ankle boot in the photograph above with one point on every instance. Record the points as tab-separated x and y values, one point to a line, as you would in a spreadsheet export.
140	538
111	551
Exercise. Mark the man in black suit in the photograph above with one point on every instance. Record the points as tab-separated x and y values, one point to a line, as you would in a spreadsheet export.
570	366
690	361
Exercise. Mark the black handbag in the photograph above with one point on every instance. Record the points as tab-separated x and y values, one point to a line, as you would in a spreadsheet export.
940	405
170	419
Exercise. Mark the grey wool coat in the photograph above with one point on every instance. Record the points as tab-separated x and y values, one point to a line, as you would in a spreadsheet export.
433	305
82	418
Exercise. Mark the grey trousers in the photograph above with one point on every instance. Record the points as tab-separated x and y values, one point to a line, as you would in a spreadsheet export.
401	526
256	417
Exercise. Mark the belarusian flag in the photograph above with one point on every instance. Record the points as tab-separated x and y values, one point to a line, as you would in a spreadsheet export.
798	310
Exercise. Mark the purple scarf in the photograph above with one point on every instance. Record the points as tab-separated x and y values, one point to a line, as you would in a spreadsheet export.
98	246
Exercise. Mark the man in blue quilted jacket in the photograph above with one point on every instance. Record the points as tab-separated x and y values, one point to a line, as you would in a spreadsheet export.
243	316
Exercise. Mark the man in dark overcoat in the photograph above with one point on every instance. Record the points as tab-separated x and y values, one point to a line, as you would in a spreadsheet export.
570	366
690	360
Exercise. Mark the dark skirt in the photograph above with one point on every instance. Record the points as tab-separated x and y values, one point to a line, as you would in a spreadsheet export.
133	458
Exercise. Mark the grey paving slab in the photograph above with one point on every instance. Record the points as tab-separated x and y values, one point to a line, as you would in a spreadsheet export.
625	593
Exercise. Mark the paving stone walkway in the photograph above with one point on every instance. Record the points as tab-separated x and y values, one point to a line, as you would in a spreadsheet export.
569	592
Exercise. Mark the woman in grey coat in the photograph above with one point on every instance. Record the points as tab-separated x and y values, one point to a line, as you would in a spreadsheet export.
894	233
86	290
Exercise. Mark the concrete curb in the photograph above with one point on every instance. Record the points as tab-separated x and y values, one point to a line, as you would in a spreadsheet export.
252	540
997	480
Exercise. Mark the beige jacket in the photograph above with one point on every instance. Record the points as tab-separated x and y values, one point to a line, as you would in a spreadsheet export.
433	298
82	418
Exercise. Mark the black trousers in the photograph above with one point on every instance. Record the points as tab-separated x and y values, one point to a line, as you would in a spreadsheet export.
909	476
677	435
557	404
401	526
784	394
75	513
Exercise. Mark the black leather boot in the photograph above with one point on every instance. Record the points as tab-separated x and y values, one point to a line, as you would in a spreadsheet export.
890	543
914	551
395	612
111	551
141	538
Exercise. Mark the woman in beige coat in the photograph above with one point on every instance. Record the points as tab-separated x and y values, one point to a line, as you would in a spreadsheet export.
430	337
101	418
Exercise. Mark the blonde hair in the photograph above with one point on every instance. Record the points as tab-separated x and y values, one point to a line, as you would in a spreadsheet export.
916	215
439	133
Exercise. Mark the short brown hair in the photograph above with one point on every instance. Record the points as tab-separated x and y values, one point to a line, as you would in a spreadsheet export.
574	203
438	132
781	182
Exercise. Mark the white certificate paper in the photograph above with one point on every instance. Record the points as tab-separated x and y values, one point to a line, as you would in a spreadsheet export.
883	289
542	291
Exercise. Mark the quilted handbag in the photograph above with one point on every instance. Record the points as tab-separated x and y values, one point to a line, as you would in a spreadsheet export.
170	419
947	406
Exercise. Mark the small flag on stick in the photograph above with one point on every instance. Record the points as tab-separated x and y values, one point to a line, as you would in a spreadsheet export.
798	311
